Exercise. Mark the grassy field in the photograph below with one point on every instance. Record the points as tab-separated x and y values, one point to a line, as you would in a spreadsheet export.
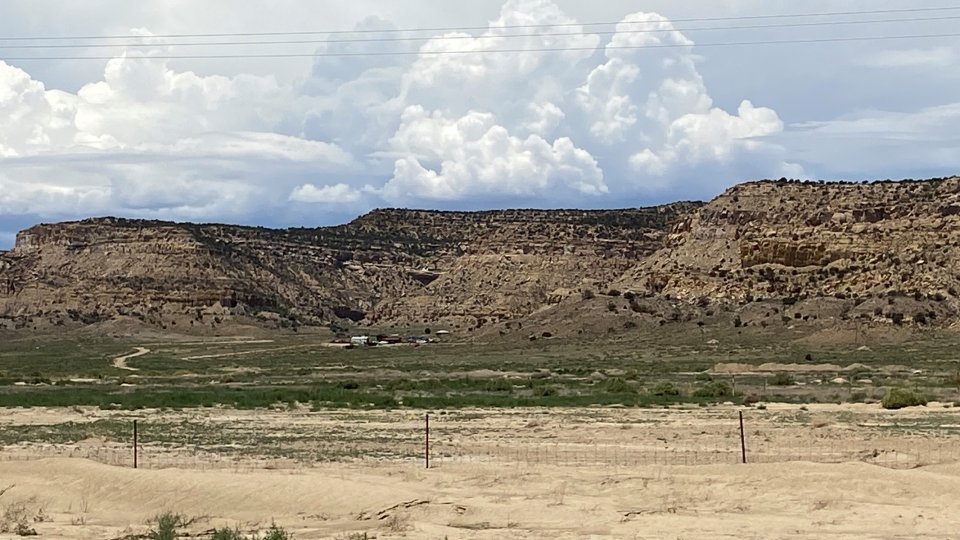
500	412
658	367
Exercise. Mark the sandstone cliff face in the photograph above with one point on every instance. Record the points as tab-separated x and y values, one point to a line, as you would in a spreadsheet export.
507	265
789	239
390	266
764	252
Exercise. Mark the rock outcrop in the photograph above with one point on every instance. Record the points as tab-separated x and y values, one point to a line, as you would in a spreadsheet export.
387	267
783	239
770	252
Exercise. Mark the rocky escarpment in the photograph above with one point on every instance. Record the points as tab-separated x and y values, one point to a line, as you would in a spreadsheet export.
765	253
510	264
791	241
384	267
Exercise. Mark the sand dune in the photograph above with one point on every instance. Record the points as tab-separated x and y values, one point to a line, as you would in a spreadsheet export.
796	500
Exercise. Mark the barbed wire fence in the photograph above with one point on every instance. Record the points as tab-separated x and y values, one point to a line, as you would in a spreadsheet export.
452	442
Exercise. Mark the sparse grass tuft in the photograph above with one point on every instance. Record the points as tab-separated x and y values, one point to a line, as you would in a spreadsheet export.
355	536
276	533
226	533
166	525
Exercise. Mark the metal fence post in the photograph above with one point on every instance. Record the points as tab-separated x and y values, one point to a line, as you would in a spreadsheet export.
135	444
743	440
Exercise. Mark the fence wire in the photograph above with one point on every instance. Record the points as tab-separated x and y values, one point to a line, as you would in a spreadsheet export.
548	439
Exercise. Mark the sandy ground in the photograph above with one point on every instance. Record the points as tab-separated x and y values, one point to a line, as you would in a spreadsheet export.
566	473
81	499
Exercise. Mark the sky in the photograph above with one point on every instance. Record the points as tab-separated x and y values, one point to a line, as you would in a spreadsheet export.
607	117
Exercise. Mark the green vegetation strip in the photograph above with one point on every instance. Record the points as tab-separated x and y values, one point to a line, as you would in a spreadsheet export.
337	396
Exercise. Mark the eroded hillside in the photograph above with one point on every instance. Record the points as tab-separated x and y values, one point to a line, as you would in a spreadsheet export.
792	241
763	253
401	266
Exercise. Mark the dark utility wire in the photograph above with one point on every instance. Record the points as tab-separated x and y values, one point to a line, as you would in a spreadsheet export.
489	51
464	28
452	38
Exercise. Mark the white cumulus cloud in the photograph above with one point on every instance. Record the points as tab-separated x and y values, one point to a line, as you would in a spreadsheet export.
649	102
513	114
335	194
473	156
151	141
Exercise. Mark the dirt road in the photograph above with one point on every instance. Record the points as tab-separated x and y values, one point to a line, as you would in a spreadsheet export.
120	362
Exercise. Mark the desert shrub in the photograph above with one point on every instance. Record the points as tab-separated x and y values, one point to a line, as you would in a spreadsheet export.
226	533
665	388
897	318
617	385
16	519
588	294
920	317
166	525
704	376
22	529
613	292
737	322
715	389
498	385
783	379
898	398
544	391
273	533
276	533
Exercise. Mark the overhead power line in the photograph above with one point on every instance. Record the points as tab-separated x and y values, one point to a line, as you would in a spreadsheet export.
492	51
457	38
468	28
